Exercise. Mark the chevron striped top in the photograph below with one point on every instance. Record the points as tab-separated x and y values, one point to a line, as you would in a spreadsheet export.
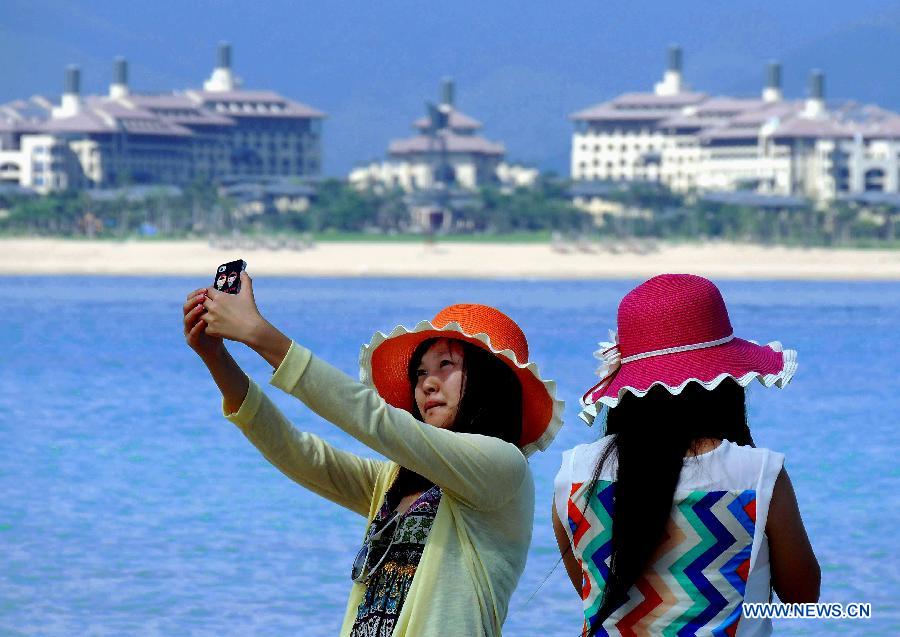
714	557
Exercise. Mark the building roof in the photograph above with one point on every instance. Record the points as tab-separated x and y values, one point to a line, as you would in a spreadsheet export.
133	193
873	198
652	100
609	114
691	122
457	121
725	132
168	114
725	106
889	129
638	107
452	196
171	114
254	191
813	127
240	103
754	199
454	144
179	109
10	125
106	115
85	121
723	118
598	187
767	112
35	108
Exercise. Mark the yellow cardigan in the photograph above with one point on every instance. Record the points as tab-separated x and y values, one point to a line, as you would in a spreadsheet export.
478	544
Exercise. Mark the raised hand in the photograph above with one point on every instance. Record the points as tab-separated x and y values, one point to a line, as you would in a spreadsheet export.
233	316
206	345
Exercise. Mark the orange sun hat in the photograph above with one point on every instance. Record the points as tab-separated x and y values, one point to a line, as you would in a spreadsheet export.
384	361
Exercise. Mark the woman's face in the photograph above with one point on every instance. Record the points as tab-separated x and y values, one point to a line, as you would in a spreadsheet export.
439	383
220	281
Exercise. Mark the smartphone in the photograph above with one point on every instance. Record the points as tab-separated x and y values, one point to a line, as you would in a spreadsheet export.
228	276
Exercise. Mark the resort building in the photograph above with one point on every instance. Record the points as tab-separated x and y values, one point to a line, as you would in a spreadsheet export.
446	150
694	142
94	141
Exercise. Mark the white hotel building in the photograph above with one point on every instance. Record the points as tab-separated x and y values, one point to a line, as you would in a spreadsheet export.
173	138
694	142
446	149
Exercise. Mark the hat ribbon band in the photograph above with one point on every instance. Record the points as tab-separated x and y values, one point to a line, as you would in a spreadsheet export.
612	362
680	348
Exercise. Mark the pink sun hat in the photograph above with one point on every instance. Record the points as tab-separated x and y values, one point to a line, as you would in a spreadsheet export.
674	329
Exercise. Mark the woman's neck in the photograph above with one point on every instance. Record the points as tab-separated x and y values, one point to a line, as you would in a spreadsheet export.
703	445
407	483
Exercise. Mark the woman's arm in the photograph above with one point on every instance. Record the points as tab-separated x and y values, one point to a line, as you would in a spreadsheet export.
342	477
482	471
229	377
796	576
573	569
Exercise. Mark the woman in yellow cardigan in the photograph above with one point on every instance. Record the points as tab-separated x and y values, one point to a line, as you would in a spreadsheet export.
455	406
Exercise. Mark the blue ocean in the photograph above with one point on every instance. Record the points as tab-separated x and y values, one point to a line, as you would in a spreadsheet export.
129	506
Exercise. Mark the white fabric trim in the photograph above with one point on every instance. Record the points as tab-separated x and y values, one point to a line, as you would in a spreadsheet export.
680	348
778	379
365	371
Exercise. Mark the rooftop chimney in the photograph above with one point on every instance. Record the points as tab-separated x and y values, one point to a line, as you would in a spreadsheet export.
119	86
224	55
815	103
817	85
675	58
448	91
772	91
73	80
672	83
222	79
71	97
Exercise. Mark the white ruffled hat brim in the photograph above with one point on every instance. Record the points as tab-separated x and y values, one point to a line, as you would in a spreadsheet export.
452	330
589	412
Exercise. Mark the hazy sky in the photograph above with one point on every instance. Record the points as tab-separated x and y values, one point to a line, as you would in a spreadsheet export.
520	67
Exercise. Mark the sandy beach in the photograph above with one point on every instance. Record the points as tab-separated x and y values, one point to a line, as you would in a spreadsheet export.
448	259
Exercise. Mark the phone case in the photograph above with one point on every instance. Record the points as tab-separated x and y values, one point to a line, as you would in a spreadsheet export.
228	276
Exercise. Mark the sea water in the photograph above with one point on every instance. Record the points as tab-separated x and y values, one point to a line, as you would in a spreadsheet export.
129	506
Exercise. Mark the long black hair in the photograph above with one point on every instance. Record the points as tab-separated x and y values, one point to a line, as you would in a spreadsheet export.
490	404
652	436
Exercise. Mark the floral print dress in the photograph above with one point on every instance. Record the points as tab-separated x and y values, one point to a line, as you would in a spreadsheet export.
386	590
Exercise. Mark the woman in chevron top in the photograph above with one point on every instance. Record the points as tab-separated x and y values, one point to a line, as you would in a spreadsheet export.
673	519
